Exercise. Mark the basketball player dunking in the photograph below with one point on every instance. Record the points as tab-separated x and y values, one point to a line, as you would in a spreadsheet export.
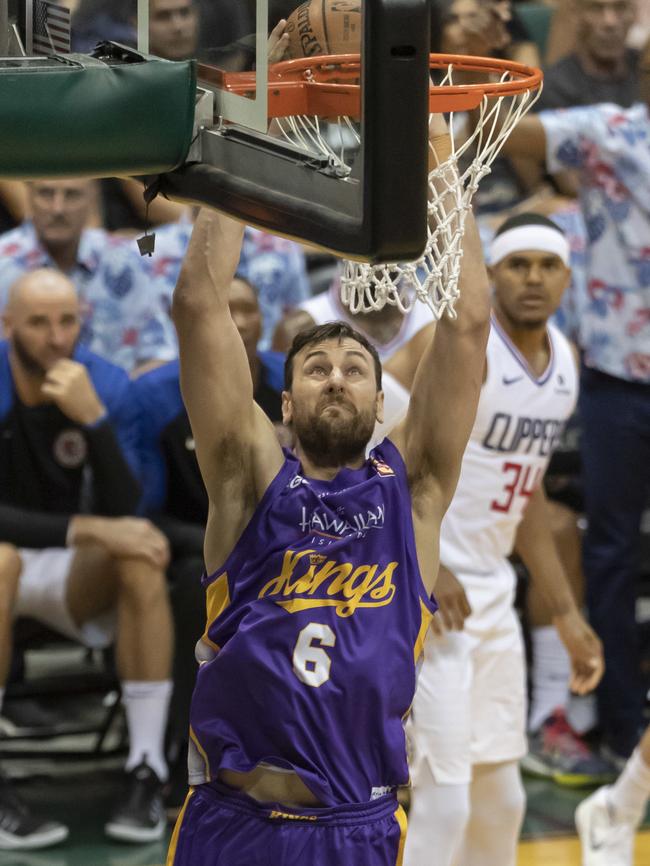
320	567
469	713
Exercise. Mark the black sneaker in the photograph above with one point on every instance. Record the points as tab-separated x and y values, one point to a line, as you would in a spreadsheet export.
22	831
140	817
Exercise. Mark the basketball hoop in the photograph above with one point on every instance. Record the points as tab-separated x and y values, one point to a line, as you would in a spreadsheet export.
315	104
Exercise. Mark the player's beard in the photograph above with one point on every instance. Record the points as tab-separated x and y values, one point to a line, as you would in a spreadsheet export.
334	441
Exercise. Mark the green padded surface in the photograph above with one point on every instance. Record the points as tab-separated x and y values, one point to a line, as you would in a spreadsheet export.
537	18
88	118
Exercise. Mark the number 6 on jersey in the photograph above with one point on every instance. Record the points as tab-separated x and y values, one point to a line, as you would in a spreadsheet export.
311	664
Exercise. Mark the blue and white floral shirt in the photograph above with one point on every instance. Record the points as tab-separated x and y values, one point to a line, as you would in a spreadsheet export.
275	267
610	148
124	316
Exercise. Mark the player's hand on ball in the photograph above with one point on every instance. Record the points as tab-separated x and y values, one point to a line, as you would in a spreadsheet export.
68	384
453	605
278	42
585	651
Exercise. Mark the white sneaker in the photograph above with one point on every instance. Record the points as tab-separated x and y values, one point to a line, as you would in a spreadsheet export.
605	840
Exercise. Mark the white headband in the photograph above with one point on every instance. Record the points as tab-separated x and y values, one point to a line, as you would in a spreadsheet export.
530	237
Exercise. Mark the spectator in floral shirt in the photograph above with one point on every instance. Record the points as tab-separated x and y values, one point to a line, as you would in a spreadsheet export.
275	266
609	148
124	319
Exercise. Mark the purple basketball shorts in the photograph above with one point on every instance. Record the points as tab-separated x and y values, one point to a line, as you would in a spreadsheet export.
222	827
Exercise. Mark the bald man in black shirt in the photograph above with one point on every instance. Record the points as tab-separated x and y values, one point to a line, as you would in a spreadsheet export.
70	557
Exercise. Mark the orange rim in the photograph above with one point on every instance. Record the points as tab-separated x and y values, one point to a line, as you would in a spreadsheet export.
328	85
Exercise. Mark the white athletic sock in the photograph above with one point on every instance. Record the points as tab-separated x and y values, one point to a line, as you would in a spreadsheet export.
146	705
551	674
629	794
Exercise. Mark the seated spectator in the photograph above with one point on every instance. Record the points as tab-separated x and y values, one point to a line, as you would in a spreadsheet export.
274	266
70	558
176	500
600	68
124	317
487	28
173	29
173	26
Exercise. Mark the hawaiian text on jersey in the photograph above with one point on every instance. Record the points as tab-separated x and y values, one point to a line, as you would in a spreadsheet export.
322	521
309	579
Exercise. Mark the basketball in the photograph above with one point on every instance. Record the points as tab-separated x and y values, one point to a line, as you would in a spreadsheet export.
325	27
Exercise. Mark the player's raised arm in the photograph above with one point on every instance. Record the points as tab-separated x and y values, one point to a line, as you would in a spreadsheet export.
236	447
447	384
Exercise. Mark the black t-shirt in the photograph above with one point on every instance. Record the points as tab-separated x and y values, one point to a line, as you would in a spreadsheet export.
42	460
52	467
566	84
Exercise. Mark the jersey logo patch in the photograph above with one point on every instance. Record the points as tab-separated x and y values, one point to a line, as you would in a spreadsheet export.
380	791
70	449
381	468
329	583
510	380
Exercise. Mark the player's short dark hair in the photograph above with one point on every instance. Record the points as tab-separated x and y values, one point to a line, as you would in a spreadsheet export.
329	331
527	219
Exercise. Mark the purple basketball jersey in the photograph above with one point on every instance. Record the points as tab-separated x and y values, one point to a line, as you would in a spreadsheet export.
315	624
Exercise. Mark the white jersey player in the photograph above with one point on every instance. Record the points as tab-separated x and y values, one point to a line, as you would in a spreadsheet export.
469	713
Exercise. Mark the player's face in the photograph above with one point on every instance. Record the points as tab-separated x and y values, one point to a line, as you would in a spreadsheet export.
60	209
333	403
245	312
173	28
528	286
602	27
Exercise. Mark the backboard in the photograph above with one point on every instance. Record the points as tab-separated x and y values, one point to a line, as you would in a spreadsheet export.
242	159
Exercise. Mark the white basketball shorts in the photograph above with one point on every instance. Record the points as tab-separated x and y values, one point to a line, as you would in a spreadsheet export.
42	596
470	702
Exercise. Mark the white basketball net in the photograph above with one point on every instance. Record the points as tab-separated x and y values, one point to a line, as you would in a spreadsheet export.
434	277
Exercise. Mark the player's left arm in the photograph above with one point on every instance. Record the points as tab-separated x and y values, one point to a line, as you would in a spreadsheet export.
536	547
447	383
